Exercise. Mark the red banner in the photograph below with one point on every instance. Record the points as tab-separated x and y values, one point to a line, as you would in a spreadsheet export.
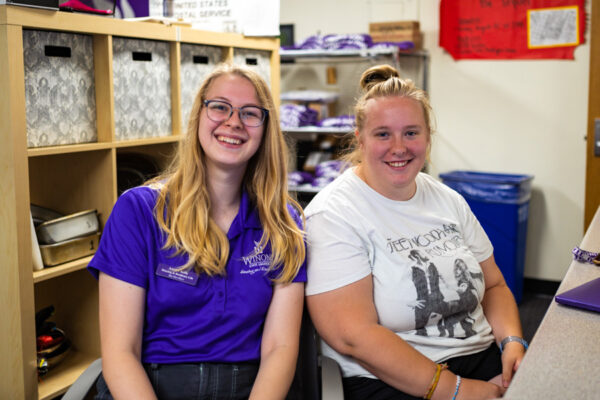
511	29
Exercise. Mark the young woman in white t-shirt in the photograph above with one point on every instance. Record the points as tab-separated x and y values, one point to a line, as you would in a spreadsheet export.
402	283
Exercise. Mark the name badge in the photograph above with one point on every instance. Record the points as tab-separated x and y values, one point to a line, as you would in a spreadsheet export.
189	276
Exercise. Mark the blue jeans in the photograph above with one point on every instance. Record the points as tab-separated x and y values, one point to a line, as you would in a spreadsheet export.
200	381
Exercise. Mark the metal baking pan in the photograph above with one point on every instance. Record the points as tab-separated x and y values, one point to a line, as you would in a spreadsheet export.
69	227
42	214
54	254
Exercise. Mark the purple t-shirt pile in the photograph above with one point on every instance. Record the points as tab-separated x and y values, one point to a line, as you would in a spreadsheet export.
346	41
341	121
295	115
298	178
325	173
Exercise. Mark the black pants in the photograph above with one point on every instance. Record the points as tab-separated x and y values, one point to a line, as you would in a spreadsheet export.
483	365
198	381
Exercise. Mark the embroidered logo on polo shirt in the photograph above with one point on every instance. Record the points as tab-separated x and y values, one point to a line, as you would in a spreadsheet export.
256	261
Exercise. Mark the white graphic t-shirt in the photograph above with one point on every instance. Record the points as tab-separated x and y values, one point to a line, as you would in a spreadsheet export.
424	257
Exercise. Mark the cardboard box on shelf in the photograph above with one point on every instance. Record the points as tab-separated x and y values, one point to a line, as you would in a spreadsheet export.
397	31
383	27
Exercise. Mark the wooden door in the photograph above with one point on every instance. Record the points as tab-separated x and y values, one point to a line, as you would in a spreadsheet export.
592	174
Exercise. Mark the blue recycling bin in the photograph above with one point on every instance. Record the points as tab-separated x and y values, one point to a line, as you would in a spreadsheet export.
501	204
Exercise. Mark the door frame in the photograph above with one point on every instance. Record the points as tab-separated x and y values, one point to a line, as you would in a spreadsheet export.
592	171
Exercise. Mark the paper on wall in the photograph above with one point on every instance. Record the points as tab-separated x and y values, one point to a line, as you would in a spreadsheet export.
248	17
260	18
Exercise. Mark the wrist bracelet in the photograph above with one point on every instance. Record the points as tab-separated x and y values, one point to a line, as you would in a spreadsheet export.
586	256
457	386
434	381
509	339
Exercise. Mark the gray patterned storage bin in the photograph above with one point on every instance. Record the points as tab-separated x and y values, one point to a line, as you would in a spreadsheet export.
142	88
60	99
197	62
258	60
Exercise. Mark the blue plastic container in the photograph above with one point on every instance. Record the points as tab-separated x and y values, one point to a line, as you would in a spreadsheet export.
501	204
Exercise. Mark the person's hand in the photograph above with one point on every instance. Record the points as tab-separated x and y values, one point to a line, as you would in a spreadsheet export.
512	355
420	304
473	389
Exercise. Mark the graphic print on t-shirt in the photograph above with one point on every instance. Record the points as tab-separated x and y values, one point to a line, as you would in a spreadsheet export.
427	254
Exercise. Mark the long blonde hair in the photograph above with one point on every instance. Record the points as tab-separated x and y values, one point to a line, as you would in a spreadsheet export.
384	81
183	205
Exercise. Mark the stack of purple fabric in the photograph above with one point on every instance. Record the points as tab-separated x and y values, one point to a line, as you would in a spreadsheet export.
326	172
341	121
406	45
314	42
295	115
346	41
297	178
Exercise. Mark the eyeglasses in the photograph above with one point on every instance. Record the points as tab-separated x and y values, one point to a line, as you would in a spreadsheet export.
219	111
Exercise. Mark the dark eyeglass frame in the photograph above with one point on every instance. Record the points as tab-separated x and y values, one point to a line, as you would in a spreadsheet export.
265	113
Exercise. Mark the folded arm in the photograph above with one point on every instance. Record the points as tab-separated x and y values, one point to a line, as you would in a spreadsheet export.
347	320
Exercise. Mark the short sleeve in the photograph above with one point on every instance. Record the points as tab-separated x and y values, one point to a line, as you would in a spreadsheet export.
474	234
337	254
123	252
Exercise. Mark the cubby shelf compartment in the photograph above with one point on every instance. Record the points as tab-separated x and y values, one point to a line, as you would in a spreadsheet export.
62	269
58	379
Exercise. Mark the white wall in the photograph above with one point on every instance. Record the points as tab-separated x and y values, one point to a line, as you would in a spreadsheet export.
525	117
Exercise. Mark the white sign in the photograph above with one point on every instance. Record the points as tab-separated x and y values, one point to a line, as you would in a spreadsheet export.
249	17
553	27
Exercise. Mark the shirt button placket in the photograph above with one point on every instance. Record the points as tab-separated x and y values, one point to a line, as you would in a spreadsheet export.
221	291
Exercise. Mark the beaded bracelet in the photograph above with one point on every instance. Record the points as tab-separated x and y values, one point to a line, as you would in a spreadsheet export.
457	386
435	380
586	256
509	339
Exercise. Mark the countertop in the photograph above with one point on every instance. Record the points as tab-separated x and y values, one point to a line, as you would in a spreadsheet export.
564	354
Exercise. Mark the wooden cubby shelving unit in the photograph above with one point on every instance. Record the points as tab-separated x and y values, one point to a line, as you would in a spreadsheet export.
71	178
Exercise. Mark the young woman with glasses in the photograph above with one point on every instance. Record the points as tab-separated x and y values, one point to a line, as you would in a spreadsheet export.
201	270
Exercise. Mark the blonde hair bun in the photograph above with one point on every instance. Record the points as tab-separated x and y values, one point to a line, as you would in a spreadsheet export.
377	74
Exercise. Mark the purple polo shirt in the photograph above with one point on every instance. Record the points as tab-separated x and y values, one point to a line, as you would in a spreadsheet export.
190	317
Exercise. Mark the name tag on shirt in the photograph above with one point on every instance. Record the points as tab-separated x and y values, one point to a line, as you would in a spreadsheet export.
189	277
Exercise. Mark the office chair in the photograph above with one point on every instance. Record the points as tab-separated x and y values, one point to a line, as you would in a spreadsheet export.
84	383
317	377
